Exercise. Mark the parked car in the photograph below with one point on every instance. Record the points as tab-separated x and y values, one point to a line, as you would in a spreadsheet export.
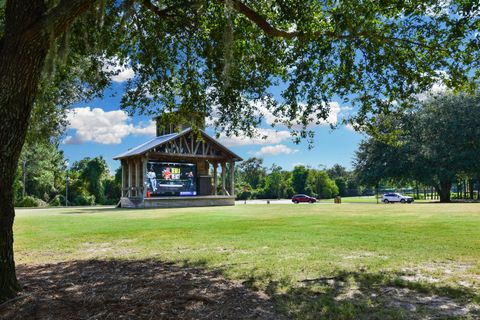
396	197
303	198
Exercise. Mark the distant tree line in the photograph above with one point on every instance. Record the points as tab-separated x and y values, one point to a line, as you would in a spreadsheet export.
255	181
42	180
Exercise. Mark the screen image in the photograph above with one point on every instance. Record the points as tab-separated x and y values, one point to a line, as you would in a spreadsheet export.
170	179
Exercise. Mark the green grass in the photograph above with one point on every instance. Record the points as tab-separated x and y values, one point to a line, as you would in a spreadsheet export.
276	248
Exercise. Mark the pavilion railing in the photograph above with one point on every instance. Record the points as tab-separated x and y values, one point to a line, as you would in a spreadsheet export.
132	192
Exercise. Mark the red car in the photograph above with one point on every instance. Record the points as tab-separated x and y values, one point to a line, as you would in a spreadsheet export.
303	198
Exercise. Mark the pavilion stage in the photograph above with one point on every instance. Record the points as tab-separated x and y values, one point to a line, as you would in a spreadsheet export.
177	202
178	168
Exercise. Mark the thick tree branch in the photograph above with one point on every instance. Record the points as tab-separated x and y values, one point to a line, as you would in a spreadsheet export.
270	30
165	13
262	22
59	18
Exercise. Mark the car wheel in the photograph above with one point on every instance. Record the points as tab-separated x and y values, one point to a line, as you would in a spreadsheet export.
402	201
385	201
312	201
296	201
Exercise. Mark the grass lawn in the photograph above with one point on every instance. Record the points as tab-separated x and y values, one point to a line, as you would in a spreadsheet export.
336	261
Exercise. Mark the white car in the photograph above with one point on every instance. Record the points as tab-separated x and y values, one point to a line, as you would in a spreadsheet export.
396	197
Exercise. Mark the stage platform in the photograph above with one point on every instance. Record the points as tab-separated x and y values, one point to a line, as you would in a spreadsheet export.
177	202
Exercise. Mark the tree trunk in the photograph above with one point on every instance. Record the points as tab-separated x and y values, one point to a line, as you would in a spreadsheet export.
470	189
28	33
444	191
478	189
21	63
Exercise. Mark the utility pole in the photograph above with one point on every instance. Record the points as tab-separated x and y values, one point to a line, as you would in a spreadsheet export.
66	191
66	183
24	168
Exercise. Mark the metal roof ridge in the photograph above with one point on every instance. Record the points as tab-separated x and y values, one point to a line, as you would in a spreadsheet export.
169	136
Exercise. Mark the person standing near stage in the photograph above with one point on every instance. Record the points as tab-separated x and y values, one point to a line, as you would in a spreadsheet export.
152	178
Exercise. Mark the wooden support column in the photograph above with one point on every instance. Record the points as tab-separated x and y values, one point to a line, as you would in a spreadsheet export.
137	177
130	178
232	178
223	178
127	173
124	179
215	175
144	176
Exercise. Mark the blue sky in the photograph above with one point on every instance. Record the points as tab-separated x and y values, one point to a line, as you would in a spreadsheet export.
100	128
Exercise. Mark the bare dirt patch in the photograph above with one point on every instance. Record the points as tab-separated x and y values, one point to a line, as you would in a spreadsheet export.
364	255
433	304
463	274
97	250
116	289
380	296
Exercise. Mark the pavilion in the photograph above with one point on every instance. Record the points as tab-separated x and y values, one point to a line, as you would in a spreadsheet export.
178	168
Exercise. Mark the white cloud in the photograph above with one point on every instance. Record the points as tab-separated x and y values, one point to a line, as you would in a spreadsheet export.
439	9
271	136
275	150
266	136
120	72
124	75
105	127
350	127
332	119
262	110
298	164
438	86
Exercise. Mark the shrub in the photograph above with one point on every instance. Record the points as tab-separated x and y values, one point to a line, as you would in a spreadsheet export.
30	201
58	200
245	195
82	200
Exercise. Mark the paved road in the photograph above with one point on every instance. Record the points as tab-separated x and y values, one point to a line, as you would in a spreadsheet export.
281	201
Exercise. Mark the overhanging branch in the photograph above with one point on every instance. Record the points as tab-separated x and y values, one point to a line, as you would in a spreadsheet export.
272	31
262	22
165	13
59	18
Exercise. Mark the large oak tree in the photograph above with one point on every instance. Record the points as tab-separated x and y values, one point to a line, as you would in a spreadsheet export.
217	56
438	141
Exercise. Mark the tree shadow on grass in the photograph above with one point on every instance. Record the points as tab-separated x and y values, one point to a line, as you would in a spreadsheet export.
149	289
132	289
364	295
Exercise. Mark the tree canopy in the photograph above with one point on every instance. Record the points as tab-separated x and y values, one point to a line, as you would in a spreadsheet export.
220	58
437	141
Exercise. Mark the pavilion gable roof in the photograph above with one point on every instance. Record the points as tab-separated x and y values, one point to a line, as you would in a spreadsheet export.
164	139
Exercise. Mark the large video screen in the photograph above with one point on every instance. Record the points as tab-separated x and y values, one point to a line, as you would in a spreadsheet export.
170	179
